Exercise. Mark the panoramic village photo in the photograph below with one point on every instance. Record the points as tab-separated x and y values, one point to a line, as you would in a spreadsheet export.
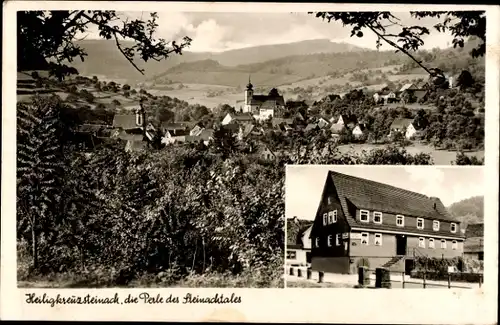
384	227
151	146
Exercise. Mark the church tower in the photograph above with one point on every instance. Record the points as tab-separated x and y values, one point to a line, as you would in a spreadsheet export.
248	92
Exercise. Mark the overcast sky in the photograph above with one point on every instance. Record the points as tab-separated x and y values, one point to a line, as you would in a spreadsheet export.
219	31
304	184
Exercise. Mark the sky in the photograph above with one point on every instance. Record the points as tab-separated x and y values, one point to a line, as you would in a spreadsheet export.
304	184
220	31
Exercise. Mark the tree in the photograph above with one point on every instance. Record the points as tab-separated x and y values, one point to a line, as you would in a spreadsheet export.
465	80
44	36
126	87
461	25
39	170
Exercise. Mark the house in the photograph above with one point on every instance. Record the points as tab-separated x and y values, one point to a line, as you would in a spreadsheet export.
278	121
406	126
242	118
474	241
359	131
196	130
337	128
298	253
175	128
322	122
421	94
311	126
261	107
266	153
244	131
133	129
232	128
349	121
362	221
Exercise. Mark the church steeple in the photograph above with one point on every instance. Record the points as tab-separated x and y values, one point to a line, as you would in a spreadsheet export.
249	86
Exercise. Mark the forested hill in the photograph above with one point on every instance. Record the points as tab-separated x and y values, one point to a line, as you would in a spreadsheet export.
293	229
105	59
470	210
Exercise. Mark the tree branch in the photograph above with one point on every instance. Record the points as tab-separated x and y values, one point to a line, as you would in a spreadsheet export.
125	55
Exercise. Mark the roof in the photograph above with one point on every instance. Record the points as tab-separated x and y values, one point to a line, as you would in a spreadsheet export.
362	127
409	86
359	193
348	118
420	93
125	122
278	121
260	99
233	127
175	125
474	245
311	126
337	128
206	134
475	230
241	117
178	132
247	129
128	136
400	123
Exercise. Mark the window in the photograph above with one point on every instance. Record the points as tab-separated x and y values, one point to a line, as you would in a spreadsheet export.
421	242
329	200
453	227
334	212
443	243
364	238
435	225
454	245
325	219
332	216
138	119
431	242
363	215
291	255
337	239
329	240
420	223
400	220
377	217
317	241
378	239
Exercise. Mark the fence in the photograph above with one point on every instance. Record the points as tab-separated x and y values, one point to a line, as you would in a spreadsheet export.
385	278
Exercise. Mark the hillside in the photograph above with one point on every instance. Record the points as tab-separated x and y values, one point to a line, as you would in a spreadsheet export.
104	59
470	210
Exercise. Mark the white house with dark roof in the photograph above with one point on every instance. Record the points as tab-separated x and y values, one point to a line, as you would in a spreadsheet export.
405	126
360	221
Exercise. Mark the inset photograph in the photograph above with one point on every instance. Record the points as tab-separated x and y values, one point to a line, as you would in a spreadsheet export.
384	226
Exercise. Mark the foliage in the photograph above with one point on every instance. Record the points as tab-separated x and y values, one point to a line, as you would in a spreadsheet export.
463	159
461	25
51	35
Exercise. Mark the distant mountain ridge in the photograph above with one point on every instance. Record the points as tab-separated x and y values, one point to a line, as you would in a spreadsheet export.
105	59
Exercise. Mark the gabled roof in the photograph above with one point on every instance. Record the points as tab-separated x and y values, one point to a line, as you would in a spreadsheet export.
260	99
400	123
243	117
420	93
125	122
358	193
278	121
167	126
247	129
410	86
348	118
311	126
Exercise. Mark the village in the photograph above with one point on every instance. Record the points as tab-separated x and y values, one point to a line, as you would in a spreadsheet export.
353	118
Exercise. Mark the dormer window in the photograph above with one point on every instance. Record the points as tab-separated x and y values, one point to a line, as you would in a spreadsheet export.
377	217
453	227
435	225
364	215
420	223
400	221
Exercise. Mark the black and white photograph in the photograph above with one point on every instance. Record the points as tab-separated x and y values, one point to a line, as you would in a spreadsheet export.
384	227
151	145
170	149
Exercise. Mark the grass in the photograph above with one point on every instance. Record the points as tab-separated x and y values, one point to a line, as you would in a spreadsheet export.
311	284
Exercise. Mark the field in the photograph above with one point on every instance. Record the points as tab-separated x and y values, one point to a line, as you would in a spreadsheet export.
439	157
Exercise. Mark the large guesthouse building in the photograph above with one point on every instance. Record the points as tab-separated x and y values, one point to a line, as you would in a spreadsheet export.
362	221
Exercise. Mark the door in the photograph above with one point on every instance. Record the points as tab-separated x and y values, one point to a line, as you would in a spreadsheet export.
401	241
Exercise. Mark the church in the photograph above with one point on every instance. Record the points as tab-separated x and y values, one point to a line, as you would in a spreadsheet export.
262	107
